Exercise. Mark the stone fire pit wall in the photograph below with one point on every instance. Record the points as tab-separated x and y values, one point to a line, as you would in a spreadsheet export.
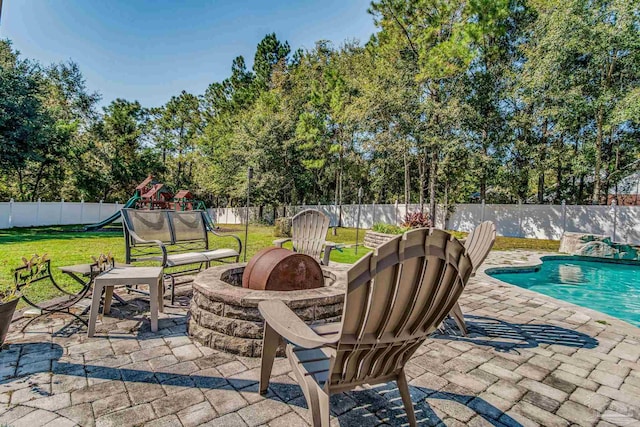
225	316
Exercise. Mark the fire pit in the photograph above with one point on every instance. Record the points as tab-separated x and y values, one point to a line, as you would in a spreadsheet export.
279	269
225	316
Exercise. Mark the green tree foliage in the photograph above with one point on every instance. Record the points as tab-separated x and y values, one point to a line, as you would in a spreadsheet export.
448	102
42	114
119	158
179	126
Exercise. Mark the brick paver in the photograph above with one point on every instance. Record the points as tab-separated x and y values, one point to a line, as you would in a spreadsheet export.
529	360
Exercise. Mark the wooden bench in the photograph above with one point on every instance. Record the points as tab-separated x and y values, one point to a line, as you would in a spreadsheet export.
175	239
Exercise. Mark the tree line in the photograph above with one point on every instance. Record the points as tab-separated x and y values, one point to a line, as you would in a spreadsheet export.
449	101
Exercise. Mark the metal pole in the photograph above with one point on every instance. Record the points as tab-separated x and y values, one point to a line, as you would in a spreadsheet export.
358	220
615	218
246	225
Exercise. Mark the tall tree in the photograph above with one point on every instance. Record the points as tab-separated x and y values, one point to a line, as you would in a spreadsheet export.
269	53
584	60
119	158
179	125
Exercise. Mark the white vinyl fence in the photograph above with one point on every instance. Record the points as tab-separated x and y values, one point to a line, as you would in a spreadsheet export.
622	223
32	214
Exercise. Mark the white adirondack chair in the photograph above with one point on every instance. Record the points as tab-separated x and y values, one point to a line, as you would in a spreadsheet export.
308	232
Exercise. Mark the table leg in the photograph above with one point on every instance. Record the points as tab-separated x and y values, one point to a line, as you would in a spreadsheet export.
87	284
153	303
95	308
108	295
161	294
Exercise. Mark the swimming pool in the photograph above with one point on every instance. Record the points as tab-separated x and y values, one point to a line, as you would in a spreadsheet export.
608	287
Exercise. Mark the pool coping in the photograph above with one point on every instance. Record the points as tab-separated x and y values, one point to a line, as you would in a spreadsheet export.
533	263
561	257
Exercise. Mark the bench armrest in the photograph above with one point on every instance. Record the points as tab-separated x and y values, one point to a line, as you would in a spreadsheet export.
230	235
140	241
278	243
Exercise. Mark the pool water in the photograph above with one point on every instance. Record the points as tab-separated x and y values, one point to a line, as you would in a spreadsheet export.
607	287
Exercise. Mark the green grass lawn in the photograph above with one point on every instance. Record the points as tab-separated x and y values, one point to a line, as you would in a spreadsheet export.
66	246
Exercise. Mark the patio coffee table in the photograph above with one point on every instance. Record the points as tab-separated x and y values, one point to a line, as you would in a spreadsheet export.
123	276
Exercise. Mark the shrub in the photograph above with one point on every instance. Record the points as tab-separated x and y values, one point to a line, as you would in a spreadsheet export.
381	227
282	227
416	220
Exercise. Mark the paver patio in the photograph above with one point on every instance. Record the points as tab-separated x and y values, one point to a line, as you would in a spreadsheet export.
529	360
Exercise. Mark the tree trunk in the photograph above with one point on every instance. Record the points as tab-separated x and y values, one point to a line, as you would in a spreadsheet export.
406	181
483	171
20	183
433	170
422	167
543	158
598	159
559	183
36	184
580	190
445	224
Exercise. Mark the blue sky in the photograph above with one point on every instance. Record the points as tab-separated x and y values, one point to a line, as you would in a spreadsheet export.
149	50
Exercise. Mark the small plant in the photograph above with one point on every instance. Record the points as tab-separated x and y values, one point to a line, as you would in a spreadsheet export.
27	273
416	220
381	227
282	227
102	263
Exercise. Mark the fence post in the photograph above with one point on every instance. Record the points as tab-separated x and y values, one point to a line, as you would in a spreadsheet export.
615	218
99	211
396	212
520	233
81	211
564	217
61	206
11	213
38	212
482	212
373	214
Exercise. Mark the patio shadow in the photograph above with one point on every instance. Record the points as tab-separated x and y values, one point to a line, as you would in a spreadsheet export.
372	406
505	336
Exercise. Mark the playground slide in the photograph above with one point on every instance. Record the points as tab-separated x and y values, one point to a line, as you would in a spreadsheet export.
211	226
130	203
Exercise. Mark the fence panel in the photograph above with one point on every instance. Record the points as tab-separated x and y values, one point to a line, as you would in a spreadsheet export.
34	214
465	217
24	214
590	219
387	214
5	213
628	224
92	212
505	217
71	213
541	221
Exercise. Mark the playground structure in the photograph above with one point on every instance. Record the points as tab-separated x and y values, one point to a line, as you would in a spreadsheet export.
154	195
151	194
